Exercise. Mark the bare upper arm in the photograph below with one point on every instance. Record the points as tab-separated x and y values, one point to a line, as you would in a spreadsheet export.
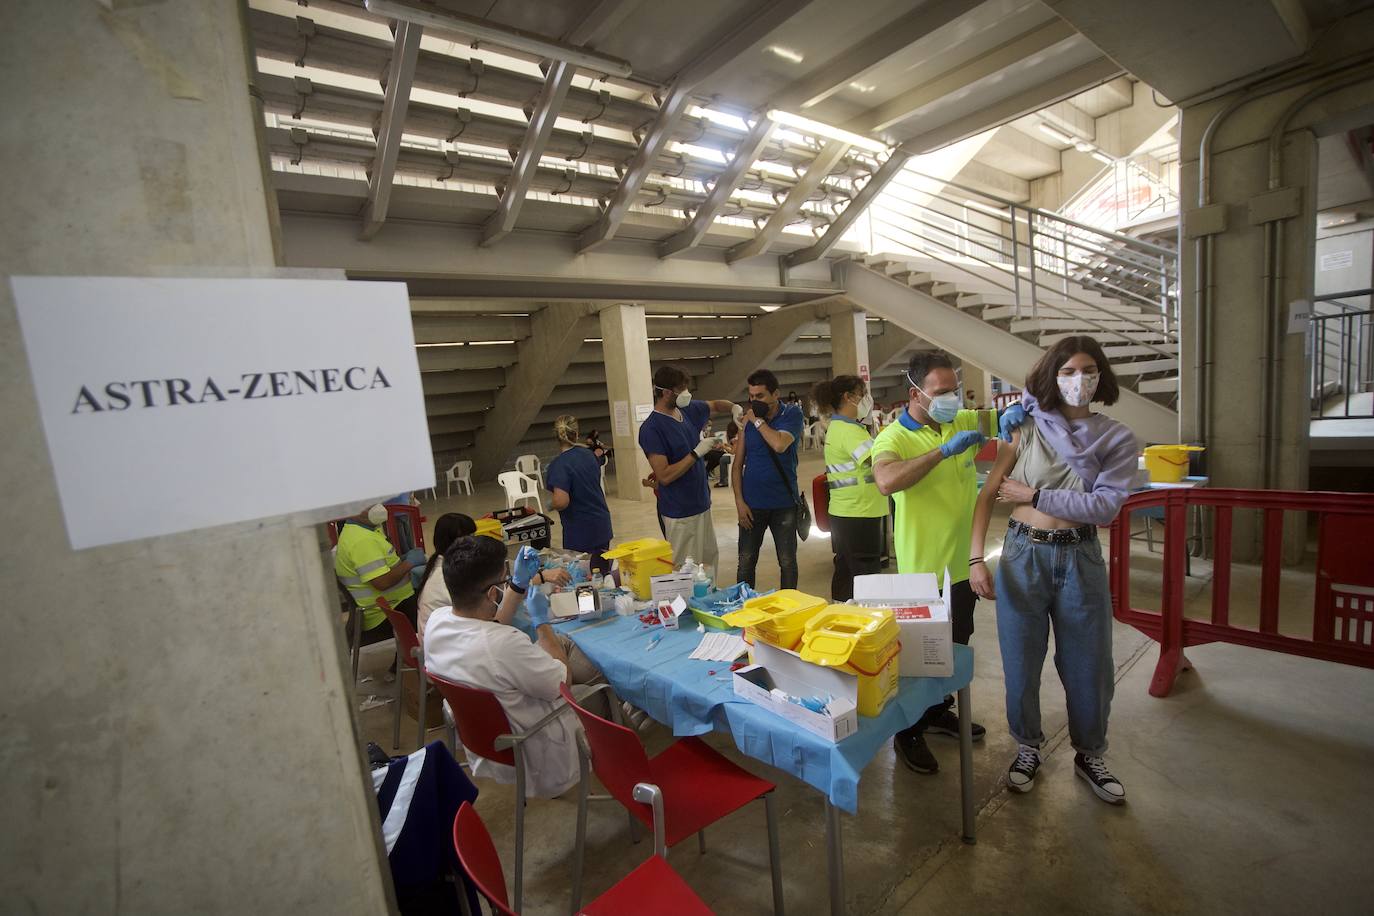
1006	460
659	463
559	499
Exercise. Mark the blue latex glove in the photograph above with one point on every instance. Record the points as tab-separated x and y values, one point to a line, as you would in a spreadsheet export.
416	557
1009	419
962	442
537	605
526	565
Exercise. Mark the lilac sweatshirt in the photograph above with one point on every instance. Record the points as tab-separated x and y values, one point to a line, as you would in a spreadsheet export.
1100	450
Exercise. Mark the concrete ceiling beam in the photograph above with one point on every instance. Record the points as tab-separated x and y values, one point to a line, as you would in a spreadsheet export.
725	184
768	337
400	75
883	117
852	211
542	359
829	156
556	84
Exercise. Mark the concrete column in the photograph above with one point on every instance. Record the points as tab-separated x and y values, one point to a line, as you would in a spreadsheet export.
179	734
1236	324
629	384
849	344
978	383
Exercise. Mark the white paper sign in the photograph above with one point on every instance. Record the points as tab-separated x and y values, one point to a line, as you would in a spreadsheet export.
642	412
1336	260
622	418
174	404
1299	316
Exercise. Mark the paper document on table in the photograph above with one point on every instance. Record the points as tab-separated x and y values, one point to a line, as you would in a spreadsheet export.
720	647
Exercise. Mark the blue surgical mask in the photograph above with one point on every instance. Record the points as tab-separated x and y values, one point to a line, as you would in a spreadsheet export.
944	407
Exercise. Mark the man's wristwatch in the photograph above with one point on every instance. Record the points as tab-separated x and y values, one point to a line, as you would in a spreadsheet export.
758	423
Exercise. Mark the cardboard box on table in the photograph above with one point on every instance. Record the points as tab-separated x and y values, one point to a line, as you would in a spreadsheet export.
787	672
922	615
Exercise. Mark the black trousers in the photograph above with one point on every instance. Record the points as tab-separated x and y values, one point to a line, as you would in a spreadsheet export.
961	601
410	607
858	547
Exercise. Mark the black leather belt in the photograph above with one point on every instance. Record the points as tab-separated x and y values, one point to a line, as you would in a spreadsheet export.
1054	535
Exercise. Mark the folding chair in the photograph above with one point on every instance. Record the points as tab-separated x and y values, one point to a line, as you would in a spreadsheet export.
681	791
653	887
408	649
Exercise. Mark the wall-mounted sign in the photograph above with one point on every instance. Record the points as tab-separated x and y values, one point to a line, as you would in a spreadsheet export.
173	404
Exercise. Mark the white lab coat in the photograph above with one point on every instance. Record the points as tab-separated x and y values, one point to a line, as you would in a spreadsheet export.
501	659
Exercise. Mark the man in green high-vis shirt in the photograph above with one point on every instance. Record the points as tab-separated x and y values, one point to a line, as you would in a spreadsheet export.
855	506
924	461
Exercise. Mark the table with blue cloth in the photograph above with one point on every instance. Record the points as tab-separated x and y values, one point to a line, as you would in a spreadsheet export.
684	694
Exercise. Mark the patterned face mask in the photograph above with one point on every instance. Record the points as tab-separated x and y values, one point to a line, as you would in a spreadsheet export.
1078	389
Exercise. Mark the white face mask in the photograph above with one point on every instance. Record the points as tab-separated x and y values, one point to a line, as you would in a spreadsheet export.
1078	389
376	515
684	398
944	407
865	405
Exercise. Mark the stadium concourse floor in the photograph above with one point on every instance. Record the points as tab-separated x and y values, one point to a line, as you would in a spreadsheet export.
1250	788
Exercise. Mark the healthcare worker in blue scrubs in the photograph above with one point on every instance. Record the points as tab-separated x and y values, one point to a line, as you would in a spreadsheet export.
574	479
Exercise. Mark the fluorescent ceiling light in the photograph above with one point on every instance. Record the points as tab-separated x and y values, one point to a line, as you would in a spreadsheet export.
825	130
1058	135
1102	157
443	20
860	87
995	211
785	53
1083	146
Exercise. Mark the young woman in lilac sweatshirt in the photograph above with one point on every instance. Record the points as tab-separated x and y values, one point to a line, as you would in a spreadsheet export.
1065	474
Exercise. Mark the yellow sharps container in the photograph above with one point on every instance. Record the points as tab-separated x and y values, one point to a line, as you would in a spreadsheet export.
862	641
640	561
778	618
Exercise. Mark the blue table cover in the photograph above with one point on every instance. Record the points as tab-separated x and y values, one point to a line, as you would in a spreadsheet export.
682	693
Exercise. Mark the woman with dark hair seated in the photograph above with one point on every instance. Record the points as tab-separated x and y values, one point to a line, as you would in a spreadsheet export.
1065	474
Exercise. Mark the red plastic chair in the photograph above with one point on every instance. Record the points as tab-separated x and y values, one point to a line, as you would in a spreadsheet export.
653	887
679	792
408	649
481	725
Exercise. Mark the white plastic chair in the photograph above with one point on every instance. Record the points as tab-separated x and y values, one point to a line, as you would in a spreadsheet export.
809	436
461	474
530	466
519	486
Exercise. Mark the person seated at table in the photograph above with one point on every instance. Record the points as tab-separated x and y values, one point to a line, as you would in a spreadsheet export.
433	591
471	643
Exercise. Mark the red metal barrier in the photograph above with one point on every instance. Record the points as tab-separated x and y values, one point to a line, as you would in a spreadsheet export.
1343	608
1006	399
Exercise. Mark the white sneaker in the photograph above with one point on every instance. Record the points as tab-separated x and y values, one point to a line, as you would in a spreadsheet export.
1021	774
1094	771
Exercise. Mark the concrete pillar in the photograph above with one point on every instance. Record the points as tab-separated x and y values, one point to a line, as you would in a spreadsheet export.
977	382
849	344
179	736
1236	323
629	385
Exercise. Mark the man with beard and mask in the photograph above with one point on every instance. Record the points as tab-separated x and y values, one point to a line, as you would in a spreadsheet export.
472	643
766	484
671	440
924	461
369	568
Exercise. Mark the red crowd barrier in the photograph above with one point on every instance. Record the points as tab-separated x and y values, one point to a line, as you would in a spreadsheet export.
1006	399
1343	607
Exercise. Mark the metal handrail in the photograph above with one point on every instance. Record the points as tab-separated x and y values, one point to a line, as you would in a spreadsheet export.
1036	304
1352	342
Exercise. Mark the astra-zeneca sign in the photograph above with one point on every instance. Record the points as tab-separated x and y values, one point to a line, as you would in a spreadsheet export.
173	404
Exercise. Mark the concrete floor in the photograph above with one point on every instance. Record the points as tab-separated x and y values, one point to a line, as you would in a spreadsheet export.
1250	788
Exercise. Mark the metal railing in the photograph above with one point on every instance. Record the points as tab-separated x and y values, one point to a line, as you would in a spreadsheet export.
1050	265
1341	346
1126	192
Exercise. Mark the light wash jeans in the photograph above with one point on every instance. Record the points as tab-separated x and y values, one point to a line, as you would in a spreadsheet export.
1063	586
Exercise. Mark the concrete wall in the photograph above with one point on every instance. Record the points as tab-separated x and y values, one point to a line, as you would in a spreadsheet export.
177	733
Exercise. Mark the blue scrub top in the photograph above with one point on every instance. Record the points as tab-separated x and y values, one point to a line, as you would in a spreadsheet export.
587	520
762	487
663	435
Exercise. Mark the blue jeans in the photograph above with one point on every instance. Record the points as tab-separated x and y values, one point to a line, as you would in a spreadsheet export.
783	524
1063	586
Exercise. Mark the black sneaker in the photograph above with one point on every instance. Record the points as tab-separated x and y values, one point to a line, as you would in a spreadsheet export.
1105	786
912	750
948	724
1021	773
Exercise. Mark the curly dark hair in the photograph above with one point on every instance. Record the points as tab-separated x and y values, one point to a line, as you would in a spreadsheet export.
1040	381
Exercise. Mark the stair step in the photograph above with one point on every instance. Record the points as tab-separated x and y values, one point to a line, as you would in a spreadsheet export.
1088	302
1055	310
1030	325
1116	350
1142	366
1106	338
1158	385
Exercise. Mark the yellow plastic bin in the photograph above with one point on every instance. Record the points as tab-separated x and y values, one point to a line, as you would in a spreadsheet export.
860	640
641	560
490	528
1168	463
778	618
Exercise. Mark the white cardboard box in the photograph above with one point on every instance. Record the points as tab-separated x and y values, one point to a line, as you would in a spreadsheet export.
922	616
784	670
